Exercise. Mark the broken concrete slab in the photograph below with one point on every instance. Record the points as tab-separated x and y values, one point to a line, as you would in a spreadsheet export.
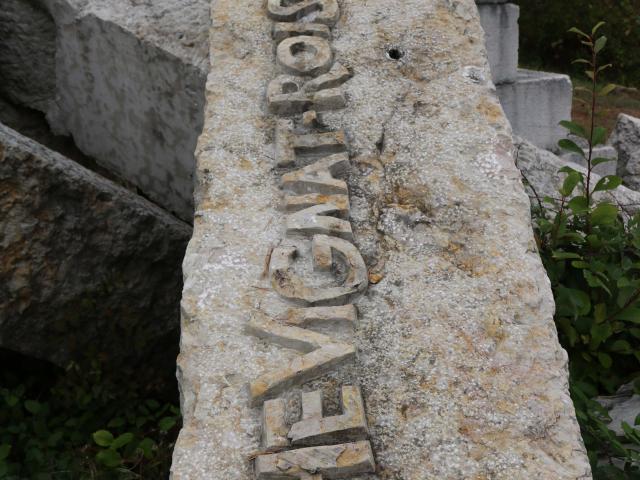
87	266
625	138
458	360
500	23
535	103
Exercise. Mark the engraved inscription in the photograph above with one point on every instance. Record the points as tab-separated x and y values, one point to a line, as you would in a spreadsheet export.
314	429
317	206
335	461
326	11
305	55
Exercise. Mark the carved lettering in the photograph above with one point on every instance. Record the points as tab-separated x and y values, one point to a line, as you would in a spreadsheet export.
335	461
325	250
338	75
319	177
290	146
305	55
326	11
285	96
313	315
315	429
284	30
274	428
295	203
317	220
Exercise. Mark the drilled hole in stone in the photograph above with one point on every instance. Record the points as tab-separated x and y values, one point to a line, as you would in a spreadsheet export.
395	54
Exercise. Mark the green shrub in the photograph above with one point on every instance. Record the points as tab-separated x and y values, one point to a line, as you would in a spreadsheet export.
83	424
544	43
590	248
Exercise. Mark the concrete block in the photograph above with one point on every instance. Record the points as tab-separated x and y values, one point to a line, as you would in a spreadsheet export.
535	104
500	24
85	263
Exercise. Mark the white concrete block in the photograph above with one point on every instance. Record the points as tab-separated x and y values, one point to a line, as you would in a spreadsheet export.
130	89
535	104
500	24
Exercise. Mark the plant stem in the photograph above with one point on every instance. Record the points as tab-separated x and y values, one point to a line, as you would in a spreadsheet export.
594	97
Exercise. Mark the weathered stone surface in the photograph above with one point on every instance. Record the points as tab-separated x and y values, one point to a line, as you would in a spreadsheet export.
625	138
535	103
500	23
85	263
129	88
601	151
27	53
540	168
458	359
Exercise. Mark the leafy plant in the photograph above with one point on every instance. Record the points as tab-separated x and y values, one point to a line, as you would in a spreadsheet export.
83	424
591	250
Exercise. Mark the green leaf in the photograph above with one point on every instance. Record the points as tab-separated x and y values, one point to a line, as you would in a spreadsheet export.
578	204
12	400
165	424
607	89
621	346
599	333
599	160
599	136
579	32
32	406
560	255
570	146
116	422
630	315
610	182
570	183
604	67
103	438
600	43
600	312
589	73
572	302
146	446
5	449
604	214
605	359
574	128
581	60
597	27
122	440
109	458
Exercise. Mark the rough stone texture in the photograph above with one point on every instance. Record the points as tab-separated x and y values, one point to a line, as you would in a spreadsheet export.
27	53
458	359
625	138
500	24
535	104
540	167
623	407
601	151
85	263
130	89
